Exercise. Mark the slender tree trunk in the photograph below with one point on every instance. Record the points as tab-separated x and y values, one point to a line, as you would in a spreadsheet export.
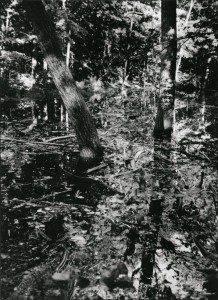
210	88
181	48
7	22
145	81
165	103
50	108
126	64
67	64
165	107
89	144
63	112
64	4
34	118
204	94
50	103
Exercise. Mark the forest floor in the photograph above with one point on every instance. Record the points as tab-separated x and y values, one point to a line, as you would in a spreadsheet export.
83	237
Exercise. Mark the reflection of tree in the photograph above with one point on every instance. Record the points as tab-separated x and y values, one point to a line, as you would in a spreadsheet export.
161	184
162	172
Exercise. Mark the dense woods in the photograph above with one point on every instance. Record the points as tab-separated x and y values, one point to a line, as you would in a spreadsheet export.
109	149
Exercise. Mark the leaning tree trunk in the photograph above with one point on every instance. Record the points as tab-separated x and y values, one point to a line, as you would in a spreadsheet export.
166	99
89	144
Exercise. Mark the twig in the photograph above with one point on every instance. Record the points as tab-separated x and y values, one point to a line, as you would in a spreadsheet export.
39	231
31	202
50	195
42	152
28	202
102	166
63	137
29	143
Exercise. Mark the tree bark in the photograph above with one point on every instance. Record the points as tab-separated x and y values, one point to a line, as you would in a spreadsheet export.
166	98
89	144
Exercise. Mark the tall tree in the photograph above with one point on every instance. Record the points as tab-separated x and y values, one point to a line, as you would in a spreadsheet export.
166	99
89	144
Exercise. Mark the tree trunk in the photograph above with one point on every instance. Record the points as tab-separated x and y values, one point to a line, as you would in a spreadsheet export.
50	109
89	144
127	61
181	48
168	68
67	62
